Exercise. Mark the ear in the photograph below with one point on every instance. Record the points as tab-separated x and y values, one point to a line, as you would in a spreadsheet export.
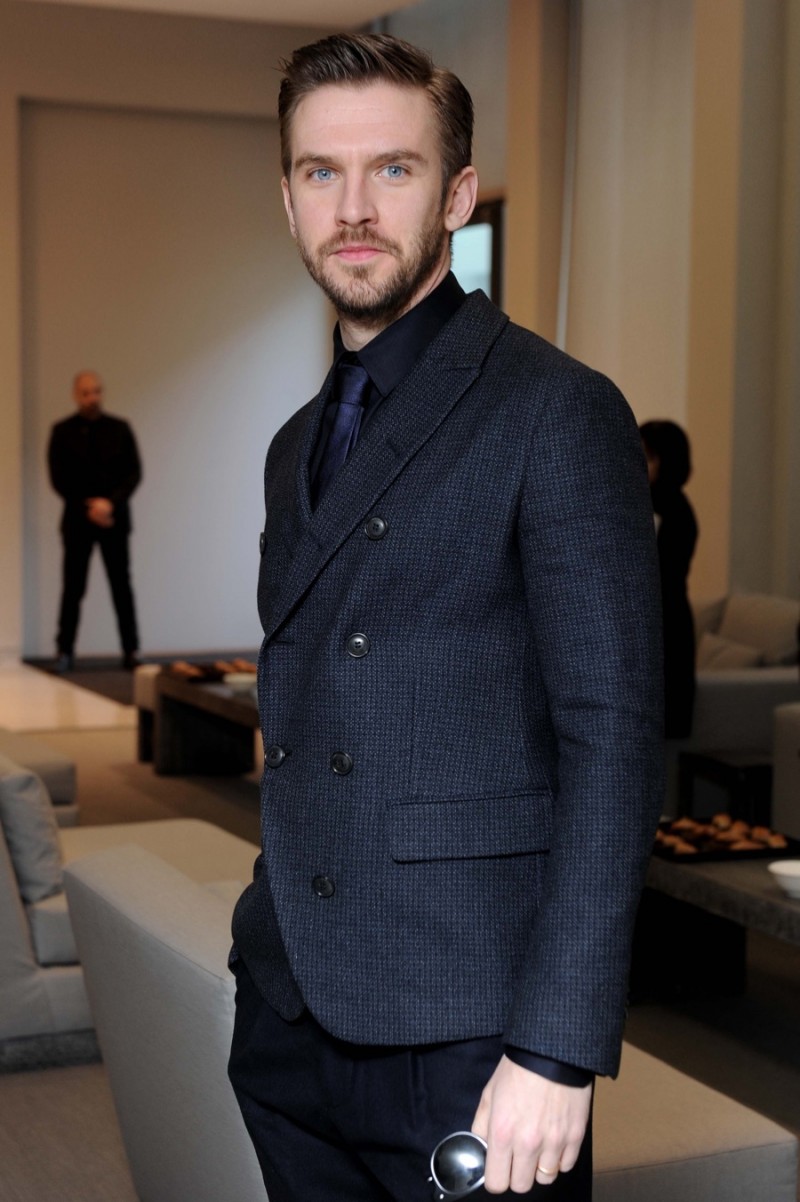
462	194
287	204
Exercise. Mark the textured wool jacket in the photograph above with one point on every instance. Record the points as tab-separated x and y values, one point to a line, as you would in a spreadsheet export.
460	690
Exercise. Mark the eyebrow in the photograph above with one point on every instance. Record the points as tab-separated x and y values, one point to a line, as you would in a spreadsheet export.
398	155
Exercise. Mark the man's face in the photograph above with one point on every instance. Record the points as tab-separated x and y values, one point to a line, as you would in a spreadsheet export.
88	394
364	198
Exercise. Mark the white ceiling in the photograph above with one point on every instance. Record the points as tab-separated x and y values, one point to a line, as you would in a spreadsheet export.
327	13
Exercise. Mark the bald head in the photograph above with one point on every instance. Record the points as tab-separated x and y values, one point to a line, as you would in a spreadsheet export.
87	389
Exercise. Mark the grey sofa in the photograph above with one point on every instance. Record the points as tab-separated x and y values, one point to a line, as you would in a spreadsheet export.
154	947
746	666
56	771
747	650
42	990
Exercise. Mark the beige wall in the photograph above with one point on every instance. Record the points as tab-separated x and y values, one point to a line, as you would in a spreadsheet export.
538	66
693	219
166	264
628	280
116	60
786	451
135	63
759	254
743	372
469	37
681	217
718	83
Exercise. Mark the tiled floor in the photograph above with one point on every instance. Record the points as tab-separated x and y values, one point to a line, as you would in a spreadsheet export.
32	700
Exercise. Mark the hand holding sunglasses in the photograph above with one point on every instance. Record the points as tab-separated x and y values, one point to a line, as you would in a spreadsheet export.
458	1166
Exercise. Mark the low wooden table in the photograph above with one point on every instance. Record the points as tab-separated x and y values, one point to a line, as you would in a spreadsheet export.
691	934
202	728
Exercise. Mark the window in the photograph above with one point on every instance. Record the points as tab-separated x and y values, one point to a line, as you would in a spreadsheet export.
478	251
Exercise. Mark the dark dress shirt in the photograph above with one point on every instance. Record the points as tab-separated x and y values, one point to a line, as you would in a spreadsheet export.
388	358
390	355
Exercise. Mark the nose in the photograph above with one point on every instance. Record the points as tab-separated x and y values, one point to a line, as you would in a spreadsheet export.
356	204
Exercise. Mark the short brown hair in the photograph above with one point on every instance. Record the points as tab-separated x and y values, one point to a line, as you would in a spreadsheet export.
364	58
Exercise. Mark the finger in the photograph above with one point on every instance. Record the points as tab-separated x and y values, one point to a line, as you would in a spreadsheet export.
498	1170
523	1173
569	1154
547	1172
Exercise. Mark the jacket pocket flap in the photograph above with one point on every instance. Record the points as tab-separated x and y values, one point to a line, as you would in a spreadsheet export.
466	828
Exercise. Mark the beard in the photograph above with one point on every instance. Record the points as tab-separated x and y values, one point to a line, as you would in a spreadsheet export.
360	298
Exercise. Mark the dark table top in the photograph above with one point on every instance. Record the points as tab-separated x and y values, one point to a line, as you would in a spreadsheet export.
216	698
730	759
743	891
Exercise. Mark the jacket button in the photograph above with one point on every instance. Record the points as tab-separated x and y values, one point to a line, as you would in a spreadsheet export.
342	763
275	755
262	542
376	528
358	646
323	886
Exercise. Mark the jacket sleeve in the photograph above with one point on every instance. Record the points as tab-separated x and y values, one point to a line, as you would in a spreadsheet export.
587	543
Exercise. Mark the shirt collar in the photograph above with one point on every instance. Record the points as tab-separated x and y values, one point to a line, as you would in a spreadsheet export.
390	355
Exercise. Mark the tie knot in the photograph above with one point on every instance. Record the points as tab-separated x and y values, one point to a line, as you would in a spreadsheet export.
352	384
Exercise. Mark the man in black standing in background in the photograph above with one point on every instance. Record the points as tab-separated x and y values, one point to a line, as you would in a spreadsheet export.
94	465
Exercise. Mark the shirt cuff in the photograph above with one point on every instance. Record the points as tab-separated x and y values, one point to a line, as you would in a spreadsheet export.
553	1070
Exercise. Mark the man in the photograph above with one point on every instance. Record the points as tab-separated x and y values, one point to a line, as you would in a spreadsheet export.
459	688
94	465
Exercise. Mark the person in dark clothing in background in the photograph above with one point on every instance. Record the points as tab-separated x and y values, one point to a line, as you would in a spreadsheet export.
94	465
669	467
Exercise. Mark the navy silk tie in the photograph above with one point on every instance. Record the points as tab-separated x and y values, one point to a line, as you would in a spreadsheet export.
350	388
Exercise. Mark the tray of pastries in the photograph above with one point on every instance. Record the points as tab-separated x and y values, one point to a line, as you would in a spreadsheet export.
720	837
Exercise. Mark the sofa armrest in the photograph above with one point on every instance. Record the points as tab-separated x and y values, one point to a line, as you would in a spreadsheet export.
154	945
733	709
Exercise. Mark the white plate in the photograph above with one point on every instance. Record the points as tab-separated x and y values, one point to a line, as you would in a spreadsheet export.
787	874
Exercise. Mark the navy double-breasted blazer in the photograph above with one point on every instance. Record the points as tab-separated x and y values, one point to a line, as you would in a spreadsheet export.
458	805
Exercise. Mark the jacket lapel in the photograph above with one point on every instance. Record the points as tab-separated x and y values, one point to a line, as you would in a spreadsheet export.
402	425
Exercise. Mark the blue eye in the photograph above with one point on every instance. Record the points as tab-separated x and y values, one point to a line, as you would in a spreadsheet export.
395	171
323	174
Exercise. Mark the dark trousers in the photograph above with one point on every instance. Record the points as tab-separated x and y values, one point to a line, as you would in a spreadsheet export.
334	1121
79	542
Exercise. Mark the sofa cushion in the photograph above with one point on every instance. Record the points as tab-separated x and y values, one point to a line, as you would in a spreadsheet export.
707	615
28	751
766	622
198	849
718	654
31	833
51	931
144	686
228	891
660	1136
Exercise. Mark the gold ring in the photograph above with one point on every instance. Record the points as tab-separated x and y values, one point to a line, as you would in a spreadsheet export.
546	1172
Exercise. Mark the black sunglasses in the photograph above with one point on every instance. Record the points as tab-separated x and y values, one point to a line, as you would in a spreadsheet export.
458	1166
